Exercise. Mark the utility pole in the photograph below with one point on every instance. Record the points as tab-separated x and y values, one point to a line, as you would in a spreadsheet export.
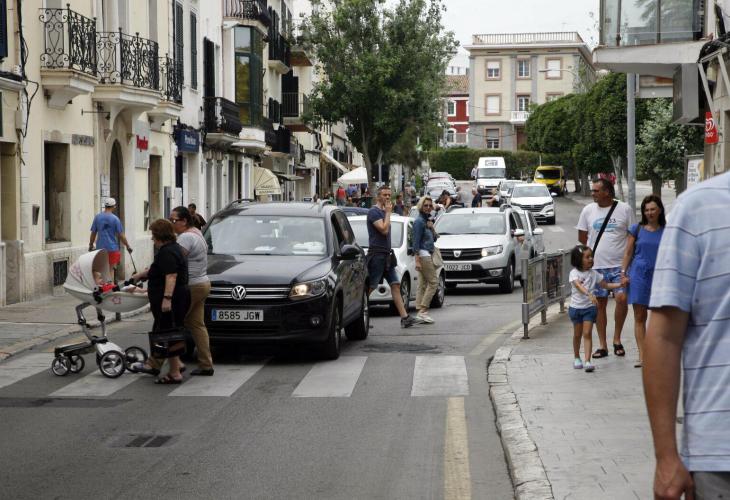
631	138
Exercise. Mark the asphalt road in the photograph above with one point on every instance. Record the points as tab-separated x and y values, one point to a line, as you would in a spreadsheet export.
404	414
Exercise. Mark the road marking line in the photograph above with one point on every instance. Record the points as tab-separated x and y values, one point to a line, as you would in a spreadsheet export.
556	229
440	376
16	369
494	337
96	385
333	379
457	474
227	380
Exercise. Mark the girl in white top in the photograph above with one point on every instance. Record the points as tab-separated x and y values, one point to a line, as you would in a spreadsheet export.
582	311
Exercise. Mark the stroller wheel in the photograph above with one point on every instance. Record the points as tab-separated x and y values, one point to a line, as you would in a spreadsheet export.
60	366
77	363
111	364
133	355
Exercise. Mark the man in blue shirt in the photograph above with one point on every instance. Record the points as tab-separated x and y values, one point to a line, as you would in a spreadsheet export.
379	252
105	230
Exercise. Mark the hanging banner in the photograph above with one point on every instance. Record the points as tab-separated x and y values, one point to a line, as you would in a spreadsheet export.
711	134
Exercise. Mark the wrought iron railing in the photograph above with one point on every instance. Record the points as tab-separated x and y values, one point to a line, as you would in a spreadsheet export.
294	104
171	82
221	116
127	59
279	48
69	40
274	111
255	10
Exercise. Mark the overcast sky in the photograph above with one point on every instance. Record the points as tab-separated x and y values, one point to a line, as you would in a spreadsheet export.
468	17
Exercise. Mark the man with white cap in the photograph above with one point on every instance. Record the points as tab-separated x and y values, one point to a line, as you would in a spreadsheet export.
107	231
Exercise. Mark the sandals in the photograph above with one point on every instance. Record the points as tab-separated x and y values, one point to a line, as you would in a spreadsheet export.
143	368
600	353
618	350
168	380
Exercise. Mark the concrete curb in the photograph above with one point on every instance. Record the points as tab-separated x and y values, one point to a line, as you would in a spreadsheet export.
529	478
26	345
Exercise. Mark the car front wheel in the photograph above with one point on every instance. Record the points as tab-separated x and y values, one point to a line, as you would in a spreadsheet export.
440	295
405	294
359	329
507	285
330	349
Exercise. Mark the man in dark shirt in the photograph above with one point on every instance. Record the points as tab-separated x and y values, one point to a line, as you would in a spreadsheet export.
476	200
198	220
379	250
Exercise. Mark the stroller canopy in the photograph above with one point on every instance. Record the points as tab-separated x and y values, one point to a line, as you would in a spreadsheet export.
81	275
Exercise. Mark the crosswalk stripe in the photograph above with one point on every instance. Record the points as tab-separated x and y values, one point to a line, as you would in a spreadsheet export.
556	229
226	381
16	369
440	376
334	379
96	385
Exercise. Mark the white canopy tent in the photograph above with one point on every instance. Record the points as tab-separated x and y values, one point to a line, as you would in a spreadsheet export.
356	176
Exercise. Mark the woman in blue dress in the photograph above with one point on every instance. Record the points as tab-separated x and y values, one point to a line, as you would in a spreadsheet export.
639	261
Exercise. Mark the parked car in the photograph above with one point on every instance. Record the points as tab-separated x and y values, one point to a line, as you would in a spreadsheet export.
401	238
505	189
535	198
490	172
285	272
534	241
354	211
553	177
441	176
481	245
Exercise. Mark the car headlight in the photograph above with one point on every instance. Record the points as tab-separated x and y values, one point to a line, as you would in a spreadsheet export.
308	289
495	250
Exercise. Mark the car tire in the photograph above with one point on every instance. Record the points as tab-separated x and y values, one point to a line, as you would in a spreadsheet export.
330	349
507	285
551	221
405	294
440	295
451	286
359	329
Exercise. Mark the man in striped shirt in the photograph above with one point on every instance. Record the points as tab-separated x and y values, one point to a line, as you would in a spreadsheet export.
690	327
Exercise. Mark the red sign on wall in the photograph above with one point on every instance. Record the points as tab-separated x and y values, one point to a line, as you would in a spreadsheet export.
142	143
711	134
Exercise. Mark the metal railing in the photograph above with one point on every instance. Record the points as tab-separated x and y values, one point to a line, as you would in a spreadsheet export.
527	38
69	40
458	138
221	116
294	104
519	116
127	59
279	48
657	21
171	79
545	281
255	10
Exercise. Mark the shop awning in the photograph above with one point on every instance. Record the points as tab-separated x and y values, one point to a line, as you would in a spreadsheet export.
357	176
289	177
265	182
334	162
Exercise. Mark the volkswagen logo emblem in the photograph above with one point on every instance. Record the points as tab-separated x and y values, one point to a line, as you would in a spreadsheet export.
457	253
238	293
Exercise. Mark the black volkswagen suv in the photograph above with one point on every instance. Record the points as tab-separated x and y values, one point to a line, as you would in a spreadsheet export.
285	272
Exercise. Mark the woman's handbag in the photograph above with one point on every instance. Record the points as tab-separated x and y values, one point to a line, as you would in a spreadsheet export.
436	258
168	342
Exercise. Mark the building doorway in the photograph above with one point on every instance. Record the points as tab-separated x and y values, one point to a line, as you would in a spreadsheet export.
154	183
116	179
57	199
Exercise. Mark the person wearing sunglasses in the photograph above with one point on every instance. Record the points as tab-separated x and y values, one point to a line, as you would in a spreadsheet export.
424	237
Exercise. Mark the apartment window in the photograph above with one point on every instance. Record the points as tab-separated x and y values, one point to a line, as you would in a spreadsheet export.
493	104
57	202
178	39
523	68
523	103
193	51
249	74
554	67
551	96
494	68
451	135
451	108
492	135
152	19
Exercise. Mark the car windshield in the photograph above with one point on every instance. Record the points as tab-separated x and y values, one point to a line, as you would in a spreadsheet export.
361	233
506	186
552	173
530	191
470	224
490	173
266	235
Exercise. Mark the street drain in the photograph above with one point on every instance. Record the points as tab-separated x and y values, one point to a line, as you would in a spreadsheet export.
401	347
60	403
143	441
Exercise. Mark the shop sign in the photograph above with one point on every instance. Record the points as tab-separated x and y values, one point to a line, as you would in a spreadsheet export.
82	140
188	141
711	135
141	144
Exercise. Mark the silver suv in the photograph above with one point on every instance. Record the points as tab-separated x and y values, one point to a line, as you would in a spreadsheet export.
481	245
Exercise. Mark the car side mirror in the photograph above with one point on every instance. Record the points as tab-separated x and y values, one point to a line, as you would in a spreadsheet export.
553	194
516	233
538	231
349	252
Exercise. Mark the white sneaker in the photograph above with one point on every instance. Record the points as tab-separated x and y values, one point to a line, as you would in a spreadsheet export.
424	317
588	366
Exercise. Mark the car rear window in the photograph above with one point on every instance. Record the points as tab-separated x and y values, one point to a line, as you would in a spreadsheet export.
266	235
470	224
552	173
530	191
361	233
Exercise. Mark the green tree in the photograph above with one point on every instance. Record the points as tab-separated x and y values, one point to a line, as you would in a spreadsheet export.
382	70
660	154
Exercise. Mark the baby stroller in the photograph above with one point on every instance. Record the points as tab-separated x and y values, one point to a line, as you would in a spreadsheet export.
81	283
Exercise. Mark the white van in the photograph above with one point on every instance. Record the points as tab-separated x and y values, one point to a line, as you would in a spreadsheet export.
491	170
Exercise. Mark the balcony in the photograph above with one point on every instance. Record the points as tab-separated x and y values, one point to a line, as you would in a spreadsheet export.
457	139
297	35
651	39
279	53
68	61
295	106
247	13
519	117
544	38
221	121
170	107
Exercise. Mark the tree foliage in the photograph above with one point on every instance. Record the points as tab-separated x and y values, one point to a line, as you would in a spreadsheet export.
382	69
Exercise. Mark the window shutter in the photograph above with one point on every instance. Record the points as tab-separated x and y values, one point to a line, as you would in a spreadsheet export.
3	29
193	51
178	43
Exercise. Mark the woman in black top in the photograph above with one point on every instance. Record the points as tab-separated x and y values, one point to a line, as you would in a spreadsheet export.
167	290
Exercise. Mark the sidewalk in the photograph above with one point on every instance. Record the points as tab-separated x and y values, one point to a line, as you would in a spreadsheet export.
30	324
643	189
568	433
